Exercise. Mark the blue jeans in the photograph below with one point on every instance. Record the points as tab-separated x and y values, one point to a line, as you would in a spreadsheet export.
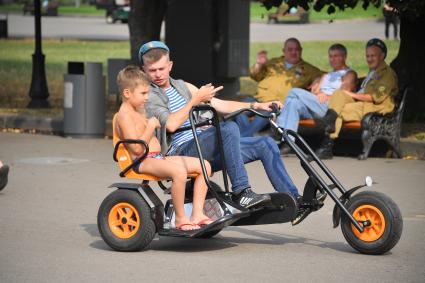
249	128
239	150
300	104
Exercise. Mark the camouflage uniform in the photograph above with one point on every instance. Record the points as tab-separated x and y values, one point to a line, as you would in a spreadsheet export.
275	80
382	87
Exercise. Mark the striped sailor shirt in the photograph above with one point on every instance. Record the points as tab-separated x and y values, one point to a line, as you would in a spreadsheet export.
177	102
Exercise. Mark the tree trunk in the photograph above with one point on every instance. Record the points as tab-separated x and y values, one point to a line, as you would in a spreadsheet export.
410	66
144	23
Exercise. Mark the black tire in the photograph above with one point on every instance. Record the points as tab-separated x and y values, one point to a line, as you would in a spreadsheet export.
386	225
124	236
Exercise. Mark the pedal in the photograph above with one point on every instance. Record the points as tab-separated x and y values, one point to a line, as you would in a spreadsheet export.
318	202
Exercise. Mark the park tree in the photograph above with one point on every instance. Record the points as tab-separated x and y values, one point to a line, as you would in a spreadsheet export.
146	17
144	23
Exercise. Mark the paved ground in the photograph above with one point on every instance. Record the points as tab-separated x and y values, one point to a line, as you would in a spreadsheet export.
49	233
96	28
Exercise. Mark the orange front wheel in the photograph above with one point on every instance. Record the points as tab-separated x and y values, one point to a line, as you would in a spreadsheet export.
380	218
372	220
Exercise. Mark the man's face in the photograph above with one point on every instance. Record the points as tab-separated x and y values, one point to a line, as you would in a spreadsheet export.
159	71
374	57
337	59
292	52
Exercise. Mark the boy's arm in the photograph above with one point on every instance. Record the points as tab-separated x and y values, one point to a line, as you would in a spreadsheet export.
128	131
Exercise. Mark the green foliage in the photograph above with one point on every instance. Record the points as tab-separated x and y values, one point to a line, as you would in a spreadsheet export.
409	8
259	12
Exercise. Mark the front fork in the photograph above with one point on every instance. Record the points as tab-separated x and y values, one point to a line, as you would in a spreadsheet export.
306	156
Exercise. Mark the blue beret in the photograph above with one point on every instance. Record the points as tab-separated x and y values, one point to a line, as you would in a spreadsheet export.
379	43
151	45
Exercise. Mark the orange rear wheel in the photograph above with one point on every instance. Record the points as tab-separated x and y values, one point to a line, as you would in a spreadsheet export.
124	220
372	220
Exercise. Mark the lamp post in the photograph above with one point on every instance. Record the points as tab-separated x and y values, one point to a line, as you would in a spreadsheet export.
38	91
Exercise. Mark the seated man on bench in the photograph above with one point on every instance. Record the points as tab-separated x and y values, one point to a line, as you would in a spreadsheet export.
376	94
275	77
303	104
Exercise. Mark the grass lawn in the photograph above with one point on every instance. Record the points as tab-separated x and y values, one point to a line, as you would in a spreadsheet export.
16	63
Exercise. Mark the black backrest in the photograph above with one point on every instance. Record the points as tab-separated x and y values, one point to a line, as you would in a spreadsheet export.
400	100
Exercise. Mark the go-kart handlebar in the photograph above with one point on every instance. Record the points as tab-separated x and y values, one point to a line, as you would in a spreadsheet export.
273	114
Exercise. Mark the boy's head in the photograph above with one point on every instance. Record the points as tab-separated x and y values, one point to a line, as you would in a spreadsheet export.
155	59
131	82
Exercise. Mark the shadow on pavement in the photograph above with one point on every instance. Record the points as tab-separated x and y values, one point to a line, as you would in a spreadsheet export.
271	238
257	237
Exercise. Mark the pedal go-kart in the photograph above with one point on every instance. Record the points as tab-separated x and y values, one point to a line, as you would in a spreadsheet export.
130	217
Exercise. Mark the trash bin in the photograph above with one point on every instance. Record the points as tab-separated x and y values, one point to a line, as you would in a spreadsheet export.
3	26
84	100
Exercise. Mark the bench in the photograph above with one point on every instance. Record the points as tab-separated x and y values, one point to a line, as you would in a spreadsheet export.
374	126
283	13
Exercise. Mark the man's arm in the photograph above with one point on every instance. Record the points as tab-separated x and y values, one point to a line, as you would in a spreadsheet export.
258	71
360	96
348	84
199	95
229	106
315	85
349	81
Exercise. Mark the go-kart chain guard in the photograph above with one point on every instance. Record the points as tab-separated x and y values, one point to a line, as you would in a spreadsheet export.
336	216
155	204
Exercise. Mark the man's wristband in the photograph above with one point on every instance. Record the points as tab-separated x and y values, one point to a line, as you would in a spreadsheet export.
251	105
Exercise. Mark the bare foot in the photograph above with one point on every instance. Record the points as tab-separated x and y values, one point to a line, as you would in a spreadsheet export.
202	220
185	224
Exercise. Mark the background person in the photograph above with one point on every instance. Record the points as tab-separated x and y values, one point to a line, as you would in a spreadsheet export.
303	104
391	17
275	78
4	172
376	94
